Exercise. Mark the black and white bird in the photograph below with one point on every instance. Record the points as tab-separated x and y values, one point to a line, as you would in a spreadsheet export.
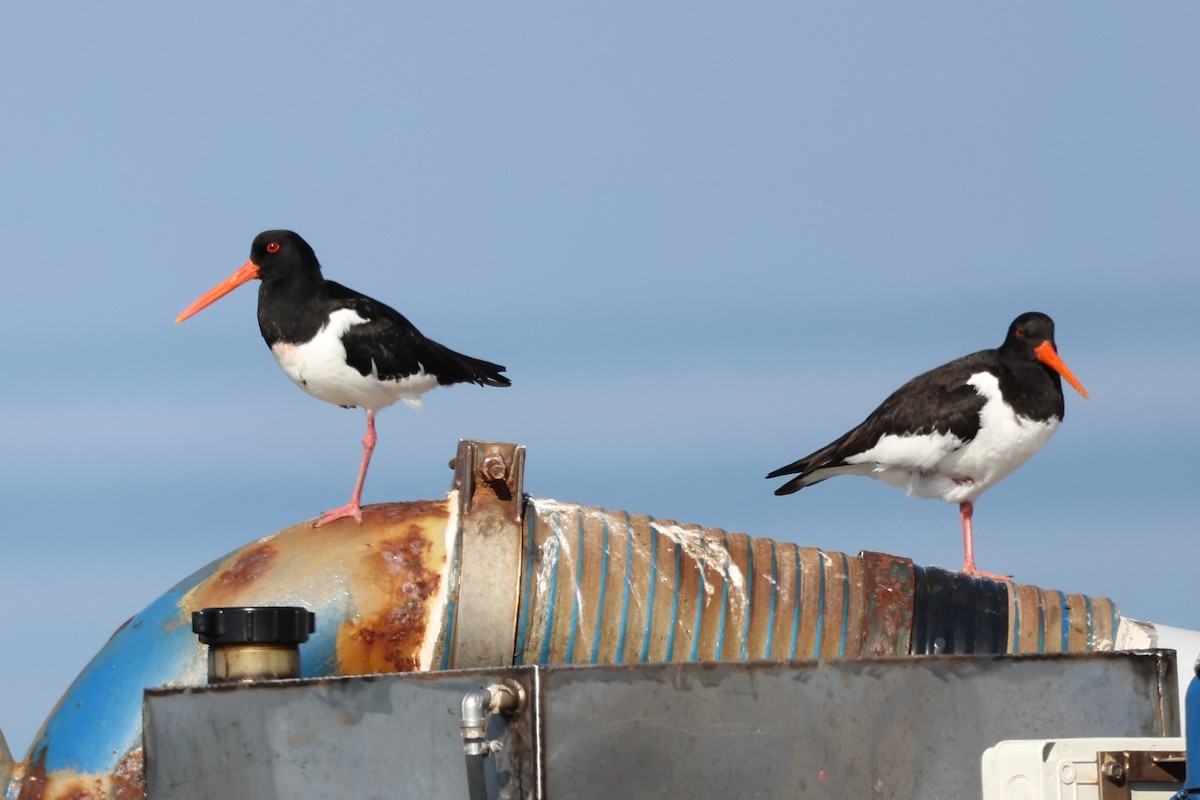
341	346
956	430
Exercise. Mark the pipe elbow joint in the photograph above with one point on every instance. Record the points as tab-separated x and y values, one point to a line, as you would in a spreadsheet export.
480	704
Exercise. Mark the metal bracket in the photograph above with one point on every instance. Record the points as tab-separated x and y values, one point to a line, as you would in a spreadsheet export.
1120	769
489	478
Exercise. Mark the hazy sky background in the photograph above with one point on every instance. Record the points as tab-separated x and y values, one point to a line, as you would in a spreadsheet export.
704	238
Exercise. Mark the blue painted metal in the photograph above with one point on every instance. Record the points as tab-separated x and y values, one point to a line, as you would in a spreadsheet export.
747	597
550	551
603	587
843	637
1191	783
100	714
816	653
628	584
90	746
796	592
526	592
770	639
652	585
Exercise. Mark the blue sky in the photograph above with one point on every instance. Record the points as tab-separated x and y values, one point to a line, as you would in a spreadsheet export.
704	238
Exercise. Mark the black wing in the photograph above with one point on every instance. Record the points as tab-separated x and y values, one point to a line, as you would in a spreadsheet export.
389	343
938	401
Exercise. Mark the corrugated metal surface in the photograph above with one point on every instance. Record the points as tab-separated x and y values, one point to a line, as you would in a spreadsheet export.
1050	621
604	586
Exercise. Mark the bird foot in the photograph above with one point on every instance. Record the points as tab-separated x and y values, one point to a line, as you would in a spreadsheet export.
348	510
970	569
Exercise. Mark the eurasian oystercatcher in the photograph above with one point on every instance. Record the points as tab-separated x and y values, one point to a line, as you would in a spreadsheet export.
341	346
956	430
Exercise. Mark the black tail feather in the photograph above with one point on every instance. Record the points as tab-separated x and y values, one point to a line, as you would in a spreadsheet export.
457	368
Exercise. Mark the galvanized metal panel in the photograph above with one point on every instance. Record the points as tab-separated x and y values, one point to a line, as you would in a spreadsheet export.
900	727
382	736
903	728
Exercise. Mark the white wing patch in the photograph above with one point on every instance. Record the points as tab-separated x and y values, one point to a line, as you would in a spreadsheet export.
918	451
319	367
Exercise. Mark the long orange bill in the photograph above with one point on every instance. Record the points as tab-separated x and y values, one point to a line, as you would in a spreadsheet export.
247	272
1049	356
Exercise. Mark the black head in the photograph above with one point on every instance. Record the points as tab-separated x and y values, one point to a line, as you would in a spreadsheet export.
1031	337
283	254
1028	331
278	258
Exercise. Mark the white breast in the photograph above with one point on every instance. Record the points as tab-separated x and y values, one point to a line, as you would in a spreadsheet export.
319	367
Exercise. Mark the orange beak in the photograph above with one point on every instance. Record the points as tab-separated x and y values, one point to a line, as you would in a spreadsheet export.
1049	356
247	272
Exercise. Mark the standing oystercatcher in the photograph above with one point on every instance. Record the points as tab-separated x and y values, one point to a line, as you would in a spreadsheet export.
958	429
341	346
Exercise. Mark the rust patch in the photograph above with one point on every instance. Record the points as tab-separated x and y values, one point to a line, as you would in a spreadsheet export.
126	782
129	778
236	583
249	567
405	559
33	787
888	584
390	640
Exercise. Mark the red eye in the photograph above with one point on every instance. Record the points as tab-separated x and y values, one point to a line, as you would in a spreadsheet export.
273	247
1020	331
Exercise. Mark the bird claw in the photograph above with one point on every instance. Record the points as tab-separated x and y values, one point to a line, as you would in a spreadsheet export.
348	510
982	573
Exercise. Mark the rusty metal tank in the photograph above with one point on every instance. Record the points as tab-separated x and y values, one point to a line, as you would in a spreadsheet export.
488	576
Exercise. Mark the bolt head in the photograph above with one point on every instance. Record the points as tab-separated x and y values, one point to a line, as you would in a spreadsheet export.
493	468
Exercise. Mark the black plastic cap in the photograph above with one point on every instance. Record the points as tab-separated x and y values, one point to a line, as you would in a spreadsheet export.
254	625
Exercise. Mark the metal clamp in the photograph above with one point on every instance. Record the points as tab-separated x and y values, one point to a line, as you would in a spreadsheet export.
488	478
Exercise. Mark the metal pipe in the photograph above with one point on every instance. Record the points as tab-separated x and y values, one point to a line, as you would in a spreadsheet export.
601	586
476	777
477	707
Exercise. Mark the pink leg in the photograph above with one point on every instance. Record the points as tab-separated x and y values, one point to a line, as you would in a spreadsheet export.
966	510
353	508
